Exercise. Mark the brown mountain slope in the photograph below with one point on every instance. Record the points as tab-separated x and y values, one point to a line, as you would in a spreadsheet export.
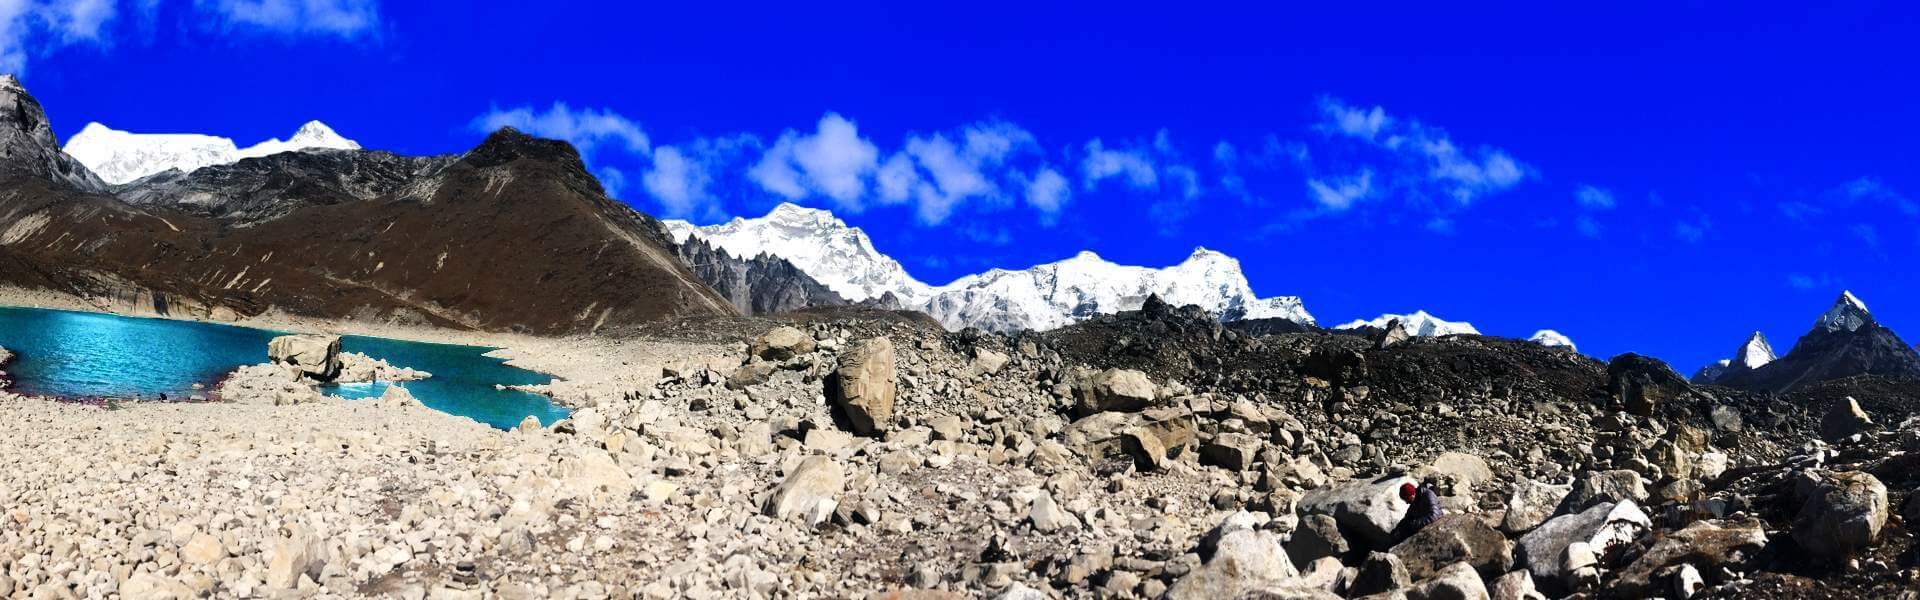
512	236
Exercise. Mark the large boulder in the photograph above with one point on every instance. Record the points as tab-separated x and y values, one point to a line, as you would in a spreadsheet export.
316	356
1367	511
1844	419
1123	390
781	343
1844	513
1600	530
1148	437
1456	538
863	387
811	491
1531	503
1515	585
1705	545
1465	468
1642	384
1379	573
1243	560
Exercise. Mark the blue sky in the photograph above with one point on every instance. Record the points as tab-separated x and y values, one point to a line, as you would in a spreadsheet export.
1656	177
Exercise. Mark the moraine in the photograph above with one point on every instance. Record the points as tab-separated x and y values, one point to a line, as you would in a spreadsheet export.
80	355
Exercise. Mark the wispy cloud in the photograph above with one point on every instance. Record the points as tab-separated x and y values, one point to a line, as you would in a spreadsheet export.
1338	194
1692	230
587	129
1133	167
1594	198
344	19
1422	159
834	161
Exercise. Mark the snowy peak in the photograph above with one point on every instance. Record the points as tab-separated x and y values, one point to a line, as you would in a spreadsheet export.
1848	314
1755	353
819	244
1419	323
1551	338
121	156
1045	296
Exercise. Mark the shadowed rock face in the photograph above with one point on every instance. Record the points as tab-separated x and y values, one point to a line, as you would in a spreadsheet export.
515	235
759	285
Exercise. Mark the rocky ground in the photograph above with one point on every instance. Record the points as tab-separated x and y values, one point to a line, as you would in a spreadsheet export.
855	453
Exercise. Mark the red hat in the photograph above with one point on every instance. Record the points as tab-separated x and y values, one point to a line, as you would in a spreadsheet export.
1407	490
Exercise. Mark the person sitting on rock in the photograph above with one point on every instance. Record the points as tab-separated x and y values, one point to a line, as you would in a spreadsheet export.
1424	509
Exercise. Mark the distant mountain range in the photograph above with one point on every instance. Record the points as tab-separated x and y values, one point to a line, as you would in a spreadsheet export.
843	259
121	157
1845	341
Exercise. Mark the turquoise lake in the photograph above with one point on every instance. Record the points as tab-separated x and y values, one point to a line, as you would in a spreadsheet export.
77	355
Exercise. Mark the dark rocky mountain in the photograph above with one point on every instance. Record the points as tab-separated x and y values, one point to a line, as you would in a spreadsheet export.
27	145
758	285
514	235
1845	342
261	189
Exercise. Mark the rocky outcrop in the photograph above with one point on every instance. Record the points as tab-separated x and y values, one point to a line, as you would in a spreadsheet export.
316	356
28	147
356	367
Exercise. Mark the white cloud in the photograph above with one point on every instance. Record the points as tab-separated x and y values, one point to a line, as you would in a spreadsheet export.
676	181
1871	189
1049	192
1339	194
586	128
1692	231
1428	159
41	26
1101	163
833	161
1594	198
345	19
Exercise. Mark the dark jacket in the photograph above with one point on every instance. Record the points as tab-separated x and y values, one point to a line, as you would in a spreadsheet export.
1423	512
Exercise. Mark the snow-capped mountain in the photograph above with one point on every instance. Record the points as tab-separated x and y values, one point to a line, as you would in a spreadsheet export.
1060	293
1419	323
1549	337
820	244
1753	354
1845	341
1041	297
1848	313
120	157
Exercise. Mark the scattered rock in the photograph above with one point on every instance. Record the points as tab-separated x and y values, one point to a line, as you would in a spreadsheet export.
1599	529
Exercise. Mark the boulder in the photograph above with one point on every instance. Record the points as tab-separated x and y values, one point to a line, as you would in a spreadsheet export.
1456	539
1601	529
1458	581
1124	390
1843	420
287	560
1048	516
780	344
1317	537
1844	513
1232	451
592	473
1462	467
1379	573
988	362
949	427
1367	511
1393	334
750	375
1531	503
1707	545
1515	585
1111	434
1243	561
811	491
203	549
1603	487
315	356
864	385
